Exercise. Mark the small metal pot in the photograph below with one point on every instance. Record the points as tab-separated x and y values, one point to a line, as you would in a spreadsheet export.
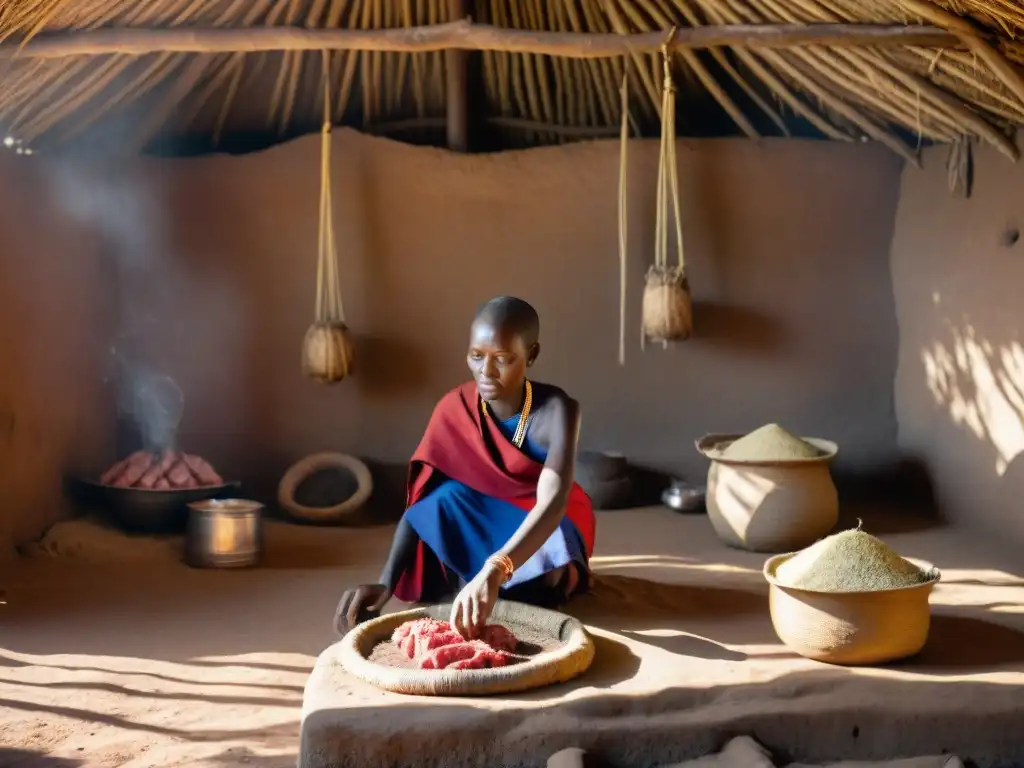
224	533
683	497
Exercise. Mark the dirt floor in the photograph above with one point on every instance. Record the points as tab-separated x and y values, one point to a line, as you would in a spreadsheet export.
146	662
140	661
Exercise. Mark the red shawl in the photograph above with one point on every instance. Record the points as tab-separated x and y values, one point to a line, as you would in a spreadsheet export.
463	444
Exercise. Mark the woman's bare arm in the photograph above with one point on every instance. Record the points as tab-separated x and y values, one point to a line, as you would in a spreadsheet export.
556	479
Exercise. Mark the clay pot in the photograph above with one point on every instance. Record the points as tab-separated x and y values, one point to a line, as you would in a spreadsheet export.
327	352
667	307
779	506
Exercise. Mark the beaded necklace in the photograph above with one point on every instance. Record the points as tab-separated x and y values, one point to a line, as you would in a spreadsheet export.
524	417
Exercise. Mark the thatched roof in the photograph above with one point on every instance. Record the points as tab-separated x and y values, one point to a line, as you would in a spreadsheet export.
215	73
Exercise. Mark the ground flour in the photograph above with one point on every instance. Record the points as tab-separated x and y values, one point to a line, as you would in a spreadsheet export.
851	561
770	443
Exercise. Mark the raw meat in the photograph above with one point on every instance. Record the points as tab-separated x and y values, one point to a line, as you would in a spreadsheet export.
428	642
158	470
115	471
205	474
163	472
180	477
474	654
499	638
431	642
137	466
419	631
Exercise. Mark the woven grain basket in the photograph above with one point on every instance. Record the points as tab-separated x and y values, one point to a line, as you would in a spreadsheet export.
571	654
851	628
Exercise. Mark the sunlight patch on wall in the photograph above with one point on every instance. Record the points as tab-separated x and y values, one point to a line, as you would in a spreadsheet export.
982	388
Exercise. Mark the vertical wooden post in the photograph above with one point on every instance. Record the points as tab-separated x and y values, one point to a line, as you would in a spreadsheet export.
457	87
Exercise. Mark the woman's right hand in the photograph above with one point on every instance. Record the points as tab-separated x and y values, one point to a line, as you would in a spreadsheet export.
359	605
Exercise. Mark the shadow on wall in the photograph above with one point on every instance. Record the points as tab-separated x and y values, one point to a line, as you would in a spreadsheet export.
739	329
905	485
390	367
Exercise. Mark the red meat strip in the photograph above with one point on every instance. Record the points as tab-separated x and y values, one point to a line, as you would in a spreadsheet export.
138	464
158	470
115	471
179	475
474	654
416	631
404	630
162	484
499	638
429	641
205	474
419	638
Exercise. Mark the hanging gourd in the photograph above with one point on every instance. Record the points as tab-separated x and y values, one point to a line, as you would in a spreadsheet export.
667	307
327	349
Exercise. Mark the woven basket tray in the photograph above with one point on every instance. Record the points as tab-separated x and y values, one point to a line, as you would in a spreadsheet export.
557	647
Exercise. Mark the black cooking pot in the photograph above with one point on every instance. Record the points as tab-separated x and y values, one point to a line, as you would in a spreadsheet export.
138	510
606	479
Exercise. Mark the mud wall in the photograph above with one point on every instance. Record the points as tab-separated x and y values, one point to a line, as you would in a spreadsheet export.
957	272
55	292
787	244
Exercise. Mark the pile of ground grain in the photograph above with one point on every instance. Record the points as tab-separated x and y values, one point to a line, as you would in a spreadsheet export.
851	561
770	443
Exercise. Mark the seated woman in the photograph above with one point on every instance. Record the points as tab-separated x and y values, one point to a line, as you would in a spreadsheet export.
492	505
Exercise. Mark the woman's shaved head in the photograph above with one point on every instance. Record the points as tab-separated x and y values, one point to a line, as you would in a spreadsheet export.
511	315
502	345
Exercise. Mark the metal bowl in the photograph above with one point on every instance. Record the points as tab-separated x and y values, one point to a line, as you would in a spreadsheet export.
224	533
684	497
138	510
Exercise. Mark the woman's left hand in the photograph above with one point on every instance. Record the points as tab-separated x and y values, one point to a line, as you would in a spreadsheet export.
473	606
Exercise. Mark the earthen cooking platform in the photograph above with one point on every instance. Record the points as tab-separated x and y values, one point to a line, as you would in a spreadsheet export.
687	658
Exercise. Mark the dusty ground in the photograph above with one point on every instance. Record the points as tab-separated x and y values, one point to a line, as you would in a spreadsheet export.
150	663
144	662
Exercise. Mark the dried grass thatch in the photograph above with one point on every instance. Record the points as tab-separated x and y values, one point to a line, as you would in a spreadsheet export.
900	95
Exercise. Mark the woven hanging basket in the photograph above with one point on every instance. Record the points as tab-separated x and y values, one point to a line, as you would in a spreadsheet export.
851	628
327	352
667	306
563	651
667	310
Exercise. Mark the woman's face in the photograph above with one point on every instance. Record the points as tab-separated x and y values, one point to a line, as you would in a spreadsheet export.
498	359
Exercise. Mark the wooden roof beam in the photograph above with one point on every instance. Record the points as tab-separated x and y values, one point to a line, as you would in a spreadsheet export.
462	35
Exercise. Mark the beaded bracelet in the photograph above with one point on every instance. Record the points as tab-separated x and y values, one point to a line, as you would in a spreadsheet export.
505	565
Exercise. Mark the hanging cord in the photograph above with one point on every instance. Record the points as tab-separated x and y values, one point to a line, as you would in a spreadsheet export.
329	309
668	173
668	184
623	219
